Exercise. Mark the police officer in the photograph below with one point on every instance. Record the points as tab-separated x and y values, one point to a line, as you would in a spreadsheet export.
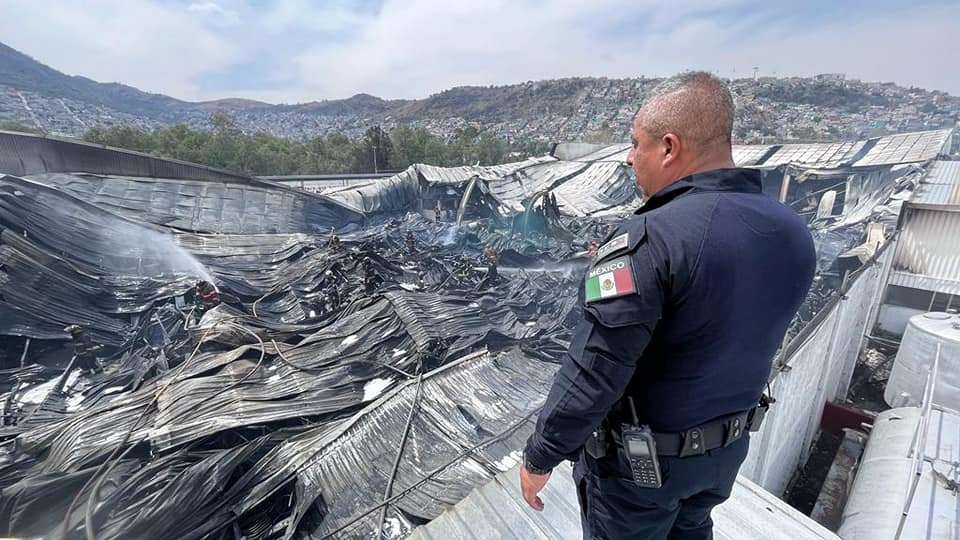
683	310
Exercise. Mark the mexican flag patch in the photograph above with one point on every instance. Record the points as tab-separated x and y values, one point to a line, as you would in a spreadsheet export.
610	279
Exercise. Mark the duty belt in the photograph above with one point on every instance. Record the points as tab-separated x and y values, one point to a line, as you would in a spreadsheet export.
698	440
692	442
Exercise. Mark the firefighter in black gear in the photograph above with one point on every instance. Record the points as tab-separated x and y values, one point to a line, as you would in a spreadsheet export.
84	350
334	244
683	310
409	244
491	258
205	297
371	279
465	268
331	294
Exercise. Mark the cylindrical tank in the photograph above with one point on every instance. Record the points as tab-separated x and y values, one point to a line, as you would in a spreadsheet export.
881	491
918	348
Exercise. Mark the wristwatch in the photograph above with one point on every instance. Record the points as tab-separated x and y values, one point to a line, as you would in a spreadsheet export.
531	468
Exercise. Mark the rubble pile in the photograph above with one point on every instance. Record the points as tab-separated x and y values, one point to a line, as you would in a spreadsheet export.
330	367
192	358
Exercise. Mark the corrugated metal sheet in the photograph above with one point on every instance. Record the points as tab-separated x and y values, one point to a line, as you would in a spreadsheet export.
24	154
906	148
516	188
602	185
462	435
825	155
943	172
396	193
746	155
222	206
940	187
944	197
456	175
888	150
615	152
928	252
496	511
924	283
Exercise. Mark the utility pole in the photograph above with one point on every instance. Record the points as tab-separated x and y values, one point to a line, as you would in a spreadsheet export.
376	142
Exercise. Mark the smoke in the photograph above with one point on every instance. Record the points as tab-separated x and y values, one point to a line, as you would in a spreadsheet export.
566	269
449	236
146	252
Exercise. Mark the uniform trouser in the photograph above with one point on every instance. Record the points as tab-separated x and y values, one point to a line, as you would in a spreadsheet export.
613	507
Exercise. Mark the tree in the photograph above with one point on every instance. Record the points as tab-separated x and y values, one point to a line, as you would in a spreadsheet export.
10	125
490	150
416	145
263	154
127	137
374	152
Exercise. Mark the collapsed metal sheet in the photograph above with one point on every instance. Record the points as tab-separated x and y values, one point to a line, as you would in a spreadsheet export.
251	207
279	413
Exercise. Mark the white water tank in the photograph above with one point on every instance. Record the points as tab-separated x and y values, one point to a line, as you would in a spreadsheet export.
881	490
912	365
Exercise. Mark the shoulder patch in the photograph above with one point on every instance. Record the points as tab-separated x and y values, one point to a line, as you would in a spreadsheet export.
615	244
610	279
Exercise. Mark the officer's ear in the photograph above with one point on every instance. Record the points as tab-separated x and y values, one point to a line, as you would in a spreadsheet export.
670	146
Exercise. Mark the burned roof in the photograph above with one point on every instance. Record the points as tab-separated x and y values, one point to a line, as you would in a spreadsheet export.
341	386
916	147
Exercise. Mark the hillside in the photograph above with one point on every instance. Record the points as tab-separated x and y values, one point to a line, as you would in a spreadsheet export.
596	109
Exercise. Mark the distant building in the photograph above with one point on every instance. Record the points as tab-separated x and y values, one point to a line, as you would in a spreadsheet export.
830	77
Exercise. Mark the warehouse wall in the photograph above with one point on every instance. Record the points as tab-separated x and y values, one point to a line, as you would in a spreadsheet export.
813	368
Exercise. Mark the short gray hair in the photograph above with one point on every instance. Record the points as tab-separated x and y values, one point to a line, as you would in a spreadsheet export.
695	105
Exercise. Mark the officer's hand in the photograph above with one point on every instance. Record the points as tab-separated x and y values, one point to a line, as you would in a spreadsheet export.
530	486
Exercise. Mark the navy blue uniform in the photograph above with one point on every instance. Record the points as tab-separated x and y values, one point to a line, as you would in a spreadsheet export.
717	271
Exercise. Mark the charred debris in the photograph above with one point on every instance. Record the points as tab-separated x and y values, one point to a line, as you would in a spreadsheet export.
359	368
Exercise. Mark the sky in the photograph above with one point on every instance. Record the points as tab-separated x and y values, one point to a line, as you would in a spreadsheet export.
294	51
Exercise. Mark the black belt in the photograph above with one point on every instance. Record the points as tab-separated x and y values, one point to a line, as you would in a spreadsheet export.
698	440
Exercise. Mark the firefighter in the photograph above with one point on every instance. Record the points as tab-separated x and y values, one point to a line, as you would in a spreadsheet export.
409	243
371	279
592	250
491	258
334	243
84	350
205	297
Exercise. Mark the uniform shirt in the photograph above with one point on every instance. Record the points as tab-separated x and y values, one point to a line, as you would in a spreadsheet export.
715	272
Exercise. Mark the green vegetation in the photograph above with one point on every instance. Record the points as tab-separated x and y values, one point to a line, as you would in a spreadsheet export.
227	147
9	125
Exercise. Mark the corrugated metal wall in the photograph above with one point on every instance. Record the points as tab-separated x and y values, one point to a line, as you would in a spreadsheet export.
818	366
928	252
22	154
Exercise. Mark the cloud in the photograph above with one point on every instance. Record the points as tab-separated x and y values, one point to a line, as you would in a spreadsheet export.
154	46
415	47
302	50
217	13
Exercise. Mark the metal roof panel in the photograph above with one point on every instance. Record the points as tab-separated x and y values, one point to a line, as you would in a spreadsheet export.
496	510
